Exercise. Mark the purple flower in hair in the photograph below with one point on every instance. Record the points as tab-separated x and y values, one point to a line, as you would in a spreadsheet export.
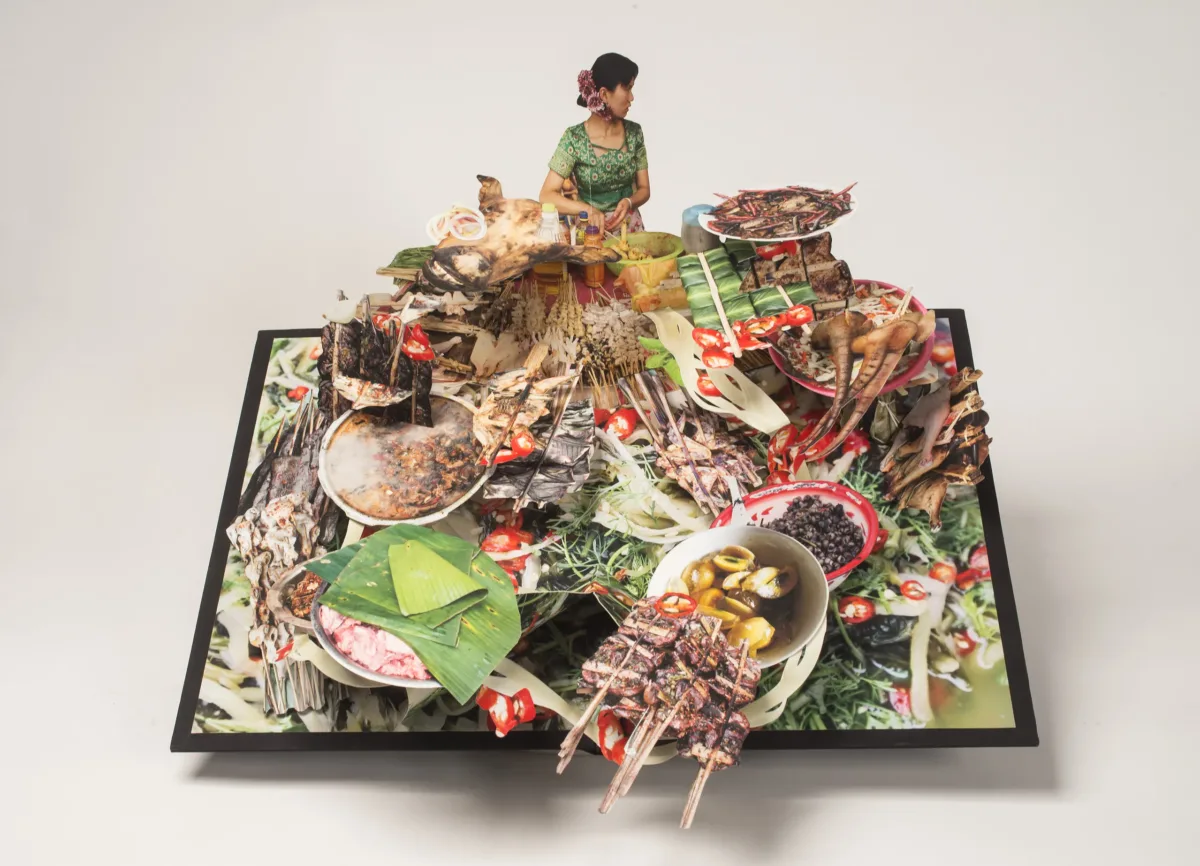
591	95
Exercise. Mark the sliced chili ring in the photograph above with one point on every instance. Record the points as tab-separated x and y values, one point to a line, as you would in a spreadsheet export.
675	604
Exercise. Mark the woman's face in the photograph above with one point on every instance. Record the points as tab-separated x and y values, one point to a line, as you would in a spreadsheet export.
619	100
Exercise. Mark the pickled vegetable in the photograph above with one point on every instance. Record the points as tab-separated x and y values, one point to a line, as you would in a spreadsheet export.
728	620
734	581
756	632
731	563
699	576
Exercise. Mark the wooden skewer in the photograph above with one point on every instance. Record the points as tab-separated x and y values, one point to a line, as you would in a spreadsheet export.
903	308
571	741
632	747
693	801
712	288
642	749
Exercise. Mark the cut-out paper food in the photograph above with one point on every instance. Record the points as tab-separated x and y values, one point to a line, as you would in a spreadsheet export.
461	642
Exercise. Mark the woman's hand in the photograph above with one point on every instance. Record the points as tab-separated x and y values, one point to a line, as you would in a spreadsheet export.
619	214
595	216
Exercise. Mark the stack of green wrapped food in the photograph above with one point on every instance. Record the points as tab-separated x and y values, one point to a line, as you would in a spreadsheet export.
738	307
741	253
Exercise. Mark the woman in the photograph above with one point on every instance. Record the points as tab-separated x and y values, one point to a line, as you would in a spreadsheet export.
603	158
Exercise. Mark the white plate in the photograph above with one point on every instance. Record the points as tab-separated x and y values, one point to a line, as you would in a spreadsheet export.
707	219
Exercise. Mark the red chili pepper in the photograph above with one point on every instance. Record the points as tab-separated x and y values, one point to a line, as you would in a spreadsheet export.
790	248
967	579
416	344
674	604
951	368
943	571
706	386
314	352
963	642
855	609
621	423
601	415
913	589
821	444
417	351
522	443
614	733
596	588
523	706
783	439
763	326
880	540
716	358
856	443
900	700
505	540
745	339
707	338
778	477
786	401
979	561
499	709
284	650
801	314
297	393
943	352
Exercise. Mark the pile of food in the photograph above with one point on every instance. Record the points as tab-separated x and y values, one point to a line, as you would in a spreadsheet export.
468	483
824	528
788	212
752	601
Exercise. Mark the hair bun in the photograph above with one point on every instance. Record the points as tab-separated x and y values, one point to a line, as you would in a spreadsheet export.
581	102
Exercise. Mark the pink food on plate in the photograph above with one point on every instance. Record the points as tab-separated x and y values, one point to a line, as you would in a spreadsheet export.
371	647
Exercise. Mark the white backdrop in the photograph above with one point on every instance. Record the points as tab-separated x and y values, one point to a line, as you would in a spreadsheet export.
176	176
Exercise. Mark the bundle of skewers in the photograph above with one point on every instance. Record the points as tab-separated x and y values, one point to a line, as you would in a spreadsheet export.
671	672
694	447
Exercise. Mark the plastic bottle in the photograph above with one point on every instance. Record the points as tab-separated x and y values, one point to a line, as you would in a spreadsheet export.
593	275
551	231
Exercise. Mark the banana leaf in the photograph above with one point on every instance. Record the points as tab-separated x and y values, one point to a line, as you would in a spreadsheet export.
490	628
356	607
424	582
436	625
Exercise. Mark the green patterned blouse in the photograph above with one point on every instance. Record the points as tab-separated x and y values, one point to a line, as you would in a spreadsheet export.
605	176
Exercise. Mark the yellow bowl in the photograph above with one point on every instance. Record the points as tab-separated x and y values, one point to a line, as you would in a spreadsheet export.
663	246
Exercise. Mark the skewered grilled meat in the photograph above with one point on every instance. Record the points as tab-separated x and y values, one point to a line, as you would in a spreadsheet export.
672	675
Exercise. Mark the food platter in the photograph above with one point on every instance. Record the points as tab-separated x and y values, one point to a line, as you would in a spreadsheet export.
910	367
706	220
354	443
538	549
844	206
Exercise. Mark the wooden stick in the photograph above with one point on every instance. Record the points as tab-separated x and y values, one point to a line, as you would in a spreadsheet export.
571	741
712	288
693	801
903	308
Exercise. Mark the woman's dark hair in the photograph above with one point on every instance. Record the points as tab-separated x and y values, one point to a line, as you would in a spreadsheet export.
611	71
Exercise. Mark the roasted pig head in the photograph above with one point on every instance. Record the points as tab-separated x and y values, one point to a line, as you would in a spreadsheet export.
510	247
